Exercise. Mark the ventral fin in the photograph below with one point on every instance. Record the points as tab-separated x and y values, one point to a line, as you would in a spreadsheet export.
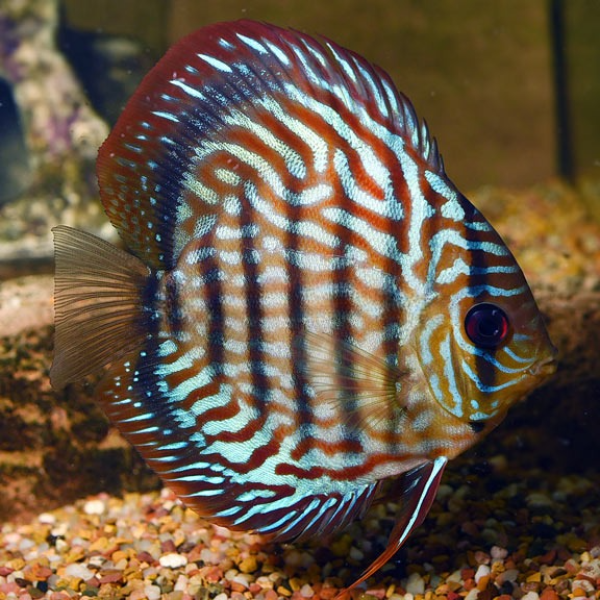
97	303
367	387
417	490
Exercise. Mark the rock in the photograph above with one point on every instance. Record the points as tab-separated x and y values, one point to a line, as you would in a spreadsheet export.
110	67
14	161
60	134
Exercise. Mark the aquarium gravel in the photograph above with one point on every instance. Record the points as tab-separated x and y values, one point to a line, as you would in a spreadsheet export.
490	534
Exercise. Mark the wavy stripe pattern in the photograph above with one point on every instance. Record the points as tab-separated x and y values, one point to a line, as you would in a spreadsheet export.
281	187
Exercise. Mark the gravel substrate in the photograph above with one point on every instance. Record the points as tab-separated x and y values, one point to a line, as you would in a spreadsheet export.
490	534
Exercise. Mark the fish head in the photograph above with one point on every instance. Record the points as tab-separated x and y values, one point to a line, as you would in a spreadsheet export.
483	344
505	353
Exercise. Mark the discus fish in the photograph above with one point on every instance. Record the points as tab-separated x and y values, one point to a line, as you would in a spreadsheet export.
308	306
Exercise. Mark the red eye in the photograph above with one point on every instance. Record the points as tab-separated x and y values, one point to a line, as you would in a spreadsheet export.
486	325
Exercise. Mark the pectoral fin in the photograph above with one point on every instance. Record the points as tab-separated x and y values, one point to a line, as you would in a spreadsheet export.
365	385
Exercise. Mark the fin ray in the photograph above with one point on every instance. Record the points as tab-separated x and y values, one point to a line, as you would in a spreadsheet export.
341	372
97	303
418	488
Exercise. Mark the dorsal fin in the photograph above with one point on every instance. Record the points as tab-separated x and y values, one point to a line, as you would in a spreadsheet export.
182	113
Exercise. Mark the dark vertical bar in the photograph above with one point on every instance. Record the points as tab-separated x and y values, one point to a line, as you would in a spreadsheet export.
564	141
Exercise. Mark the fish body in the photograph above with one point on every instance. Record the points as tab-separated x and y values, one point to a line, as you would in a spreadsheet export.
307	306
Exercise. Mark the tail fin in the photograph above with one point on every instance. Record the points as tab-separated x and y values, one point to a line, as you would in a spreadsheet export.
97	303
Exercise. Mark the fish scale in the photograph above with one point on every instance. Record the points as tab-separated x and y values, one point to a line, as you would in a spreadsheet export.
308	306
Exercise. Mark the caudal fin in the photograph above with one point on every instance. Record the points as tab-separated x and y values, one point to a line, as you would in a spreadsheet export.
97	303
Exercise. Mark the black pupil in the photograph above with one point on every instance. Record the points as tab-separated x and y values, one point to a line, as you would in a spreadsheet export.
486	325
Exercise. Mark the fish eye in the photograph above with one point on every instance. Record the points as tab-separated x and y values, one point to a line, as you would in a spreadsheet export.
486	325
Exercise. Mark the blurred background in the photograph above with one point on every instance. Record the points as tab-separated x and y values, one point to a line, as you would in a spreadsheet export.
510	89
484	75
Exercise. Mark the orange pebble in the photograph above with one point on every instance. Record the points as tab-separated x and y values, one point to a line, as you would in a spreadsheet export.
483	582
549	594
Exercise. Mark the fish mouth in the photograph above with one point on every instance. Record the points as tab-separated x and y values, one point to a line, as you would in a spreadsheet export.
545	367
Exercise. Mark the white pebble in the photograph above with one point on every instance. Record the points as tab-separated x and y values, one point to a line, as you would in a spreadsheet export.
168	505
221	596
15	575
498	553
209	557
94	507
455	577
242	579
263	581
482	571
12	538
586	585
415	584
60	530
472	594
222	531
173	560
531	596
152	592
356	554
36	552
540	500
306	591
25	544
96	561
47	518
182	584
79	571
